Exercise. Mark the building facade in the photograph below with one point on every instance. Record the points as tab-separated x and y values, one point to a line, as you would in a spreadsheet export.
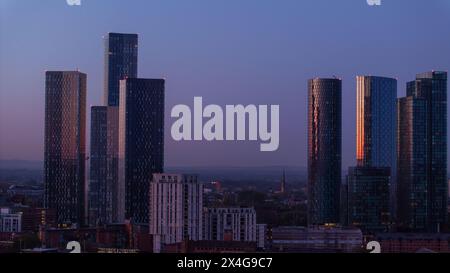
412	180
35	218
414	242
230	224
376	119
65	145
121	61
176	208
422	154
368	199
262	236
210	247
298	239
324	150
103	181
376	126
9	221
141	144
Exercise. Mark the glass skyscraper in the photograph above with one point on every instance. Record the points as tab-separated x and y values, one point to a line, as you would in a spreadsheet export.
324	150
65	145
376	121
422	153
376	126
141	143
121	61
106	200
103	181
412	153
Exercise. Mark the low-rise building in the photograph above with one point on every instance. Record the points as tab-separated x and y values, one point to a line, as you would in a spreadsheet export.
261	236
298	239
230	224
414	242
9	221
34	218
210	247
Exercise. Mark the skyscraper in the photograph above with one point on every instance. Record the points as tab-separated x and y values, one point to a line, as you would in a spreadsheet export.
176	208
141	143
324	150
103	182
65	145
368	198
121	61
376	121
106	204
376	126
412	173
422	153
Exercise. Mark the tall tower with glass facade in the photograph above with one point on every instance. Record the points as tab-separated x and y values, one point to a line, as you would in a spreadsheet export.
103	181
324	150
65	145
105	200
121	61
376	129
422	153
141	143
376	121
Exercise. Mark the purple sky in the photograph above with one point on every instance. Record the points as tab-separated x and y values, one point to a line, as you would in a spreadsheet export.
229	52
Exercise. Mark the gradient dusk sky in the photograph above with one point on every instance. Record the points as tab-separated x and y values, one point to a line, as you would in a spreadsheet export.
228	51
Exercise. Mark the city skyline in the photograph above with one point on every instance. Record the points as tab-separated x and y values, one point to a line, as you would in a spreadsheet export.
194	69
369	123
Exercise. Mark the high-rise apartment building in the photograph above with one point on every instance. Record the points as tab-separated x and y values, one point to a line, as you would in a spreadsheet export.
65	145
176	208
376	121
422	154
121	61
376	127
141	144
324	150
103	181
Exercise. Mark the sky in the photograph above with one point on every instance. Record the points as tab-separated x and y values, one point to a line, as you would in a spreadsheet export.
227	51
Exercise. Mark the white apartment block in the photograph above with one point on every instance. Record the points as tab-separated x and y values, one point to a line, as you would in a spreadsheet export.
10	222
176	207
